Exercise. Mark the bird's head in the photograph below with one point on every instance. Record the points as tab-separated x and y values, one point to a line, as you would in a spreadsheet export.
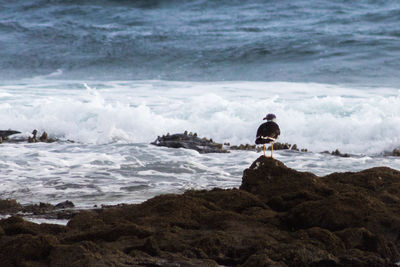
270	117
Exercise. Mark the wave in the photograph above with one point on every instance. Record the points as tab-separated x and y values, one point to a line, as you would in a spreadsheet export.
315	116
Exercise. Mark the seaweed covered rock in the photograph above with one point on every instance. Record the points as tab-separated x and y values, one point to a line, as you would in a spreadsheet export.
280	187
278	217
189	141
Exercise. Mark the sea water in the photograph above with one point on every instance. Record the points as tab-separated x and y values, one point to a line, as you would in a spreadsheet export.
105	78
103	154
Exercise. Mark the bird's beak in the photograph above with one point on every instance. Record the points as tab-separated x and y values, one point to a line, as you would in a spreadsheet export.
265	118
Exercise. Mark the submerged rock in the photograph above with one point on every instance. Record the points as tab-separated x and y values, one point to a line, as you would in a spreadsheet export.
190	141
278	217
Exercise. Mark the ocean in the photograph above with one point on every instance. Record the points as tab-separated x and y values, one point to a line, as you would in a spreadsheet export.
105	78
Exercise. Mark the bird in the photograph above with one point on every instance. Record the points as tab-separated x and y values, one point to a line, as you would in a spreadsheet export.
268	132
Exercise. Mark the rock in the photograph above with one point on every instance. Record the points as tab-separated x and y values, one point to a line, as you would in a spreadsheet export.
280	146
64	205
243	147
286	146
190	141
4	134
33	139
9	206
278	217
44	137
337	153
63	210
204	145
396	152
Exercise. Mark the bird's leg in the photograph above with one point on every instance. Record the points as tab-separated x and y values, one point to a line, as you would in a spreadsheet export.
272	149
264	149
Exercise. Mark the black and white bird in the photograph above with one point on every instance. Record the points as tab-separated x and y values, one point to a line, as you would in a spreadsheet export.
268	132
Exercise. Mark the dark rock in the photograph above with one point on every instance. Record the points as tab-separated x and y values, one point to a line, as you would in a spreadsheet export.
243	147
280	146
9	206
190	141
339	154
396	152
278	217
44	137
63	210
64	205
204	145
287	146
33	138
4	134
273	182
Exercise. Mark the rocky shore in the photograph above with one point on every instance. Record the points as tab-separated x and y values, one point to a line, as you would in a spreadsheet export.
278	217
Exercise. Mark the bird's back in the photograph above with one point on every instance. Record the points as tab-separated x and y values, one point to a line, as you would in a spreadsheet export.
267	132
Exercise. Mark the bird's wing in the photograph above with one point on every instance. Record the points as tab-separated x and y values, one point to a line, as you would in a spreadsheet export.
269	129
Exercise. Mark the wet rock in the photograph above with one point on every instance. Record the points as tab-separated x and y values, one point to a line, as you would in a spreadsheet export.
63	210
9	206
189	141
287	146
33	138
64	205
44	137
280	146
4	134
243	147
337	153
278	217
396	152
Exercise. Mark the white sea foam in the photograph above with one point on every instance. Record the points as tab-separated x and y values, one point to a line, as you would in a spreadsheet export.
316	116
